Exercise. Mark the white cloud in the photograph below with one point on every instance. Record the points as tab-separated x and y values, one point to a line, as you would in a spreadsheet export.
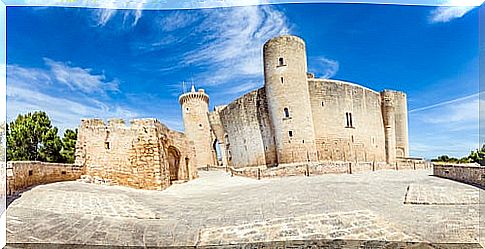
447	13
33	89
454	9
77	78
324	67
64	113
452	112
176	20
449	127
233	47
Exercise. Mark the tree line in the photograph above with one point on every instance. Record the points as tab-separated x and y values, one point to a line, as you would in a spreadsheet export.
476	156
31	137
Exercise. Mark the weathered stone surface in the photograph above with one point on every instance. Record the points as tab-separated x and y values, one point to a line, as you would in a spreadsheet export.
24	174
145	155
468	173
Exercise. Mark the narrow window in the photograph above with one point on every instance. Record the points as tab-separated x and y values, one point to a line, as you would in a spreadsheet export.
31	172
282	80
106	145
322	103
290	133
287	113
348	117
281	62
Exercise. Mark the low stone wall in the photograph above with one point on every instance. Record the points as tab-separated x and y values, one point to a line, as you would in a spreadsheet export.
24	174
326	168
467	173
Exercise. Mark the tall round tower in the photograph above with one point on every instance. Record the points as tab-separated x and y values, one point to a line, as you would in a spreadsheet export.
286	85
388	116
195	108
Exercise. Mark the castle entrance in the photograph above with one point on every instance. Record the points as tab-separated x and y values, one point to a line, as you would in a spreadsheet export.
173	163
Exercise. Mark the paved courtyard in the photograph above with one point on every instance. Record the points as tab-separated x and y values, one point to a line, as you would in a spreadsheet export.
219	209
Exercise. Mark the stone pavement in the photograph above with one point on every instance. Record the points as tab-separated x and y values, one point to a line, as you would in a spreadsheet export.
218	209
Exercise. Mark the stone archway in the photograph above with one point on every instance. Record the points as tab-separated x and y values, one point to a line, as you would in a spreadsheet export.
173	163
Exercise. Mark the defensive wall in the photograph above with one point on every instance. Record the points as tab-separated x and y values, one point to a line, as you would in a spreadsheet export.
471	173
330	167
145	154
24	174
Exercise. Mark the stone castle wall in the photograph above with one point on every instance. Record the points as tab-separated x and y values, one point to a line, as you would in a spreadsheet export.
250	144
329	167
363	140
145	155
468	173
24	174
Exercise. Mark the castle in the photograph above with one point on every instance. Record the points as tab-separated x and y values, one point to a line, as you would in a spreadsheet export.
294	119
297	118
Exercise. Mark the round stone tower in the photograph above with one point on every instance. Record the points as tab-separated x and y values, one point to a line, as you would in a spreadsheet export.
195	108
388	116
286	85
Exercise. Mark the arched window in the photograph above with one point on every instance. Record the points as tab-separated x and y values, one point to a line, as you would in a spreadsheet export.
287	113
281	62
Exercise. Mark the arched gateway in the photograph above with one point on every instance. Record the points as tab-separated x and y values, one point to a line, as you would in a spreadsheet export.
173	163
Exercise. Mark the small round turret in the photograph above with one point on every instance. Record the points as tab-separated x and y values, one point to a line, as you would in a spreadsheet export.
195	108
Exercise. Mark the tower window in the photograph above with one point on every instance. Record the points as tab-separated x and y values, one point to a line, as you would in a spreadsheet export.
281	62
348	117
287	113
200	125
290	133
282	80
106	145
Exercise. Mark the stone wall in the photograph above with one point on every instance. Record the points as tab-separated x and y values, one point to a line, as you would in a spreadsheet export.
247	131
467	173
24	174
145	155
330	167
363	140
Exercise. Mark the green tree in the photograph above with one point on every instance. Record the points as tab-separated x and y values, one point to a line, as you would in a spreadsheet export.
69	145
32	137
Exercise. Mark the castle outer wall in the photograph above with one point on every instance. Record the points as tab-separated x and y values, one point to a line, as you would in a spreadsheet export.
145	155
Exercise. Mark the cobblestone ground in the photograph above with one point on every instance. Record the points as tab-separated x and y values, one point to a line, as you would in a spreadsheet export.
219	209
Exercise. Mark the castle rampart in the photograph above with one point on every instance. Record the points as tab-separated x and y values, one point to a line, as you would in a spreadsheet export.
145	155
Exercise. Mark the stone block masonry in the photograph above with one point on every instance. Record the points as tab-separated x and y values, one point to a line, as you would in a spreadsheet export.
330	167
144	155
24	174
468	173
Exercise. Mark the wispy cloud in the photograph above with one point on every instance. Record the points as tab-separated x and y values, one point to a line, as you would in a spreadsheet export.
229	48
455	9
33	89
177	20
449	127
76	78
324	67
459	113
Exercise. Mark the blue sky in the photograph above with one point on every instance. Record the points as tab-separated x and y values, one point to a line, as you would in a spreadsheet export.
78	62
